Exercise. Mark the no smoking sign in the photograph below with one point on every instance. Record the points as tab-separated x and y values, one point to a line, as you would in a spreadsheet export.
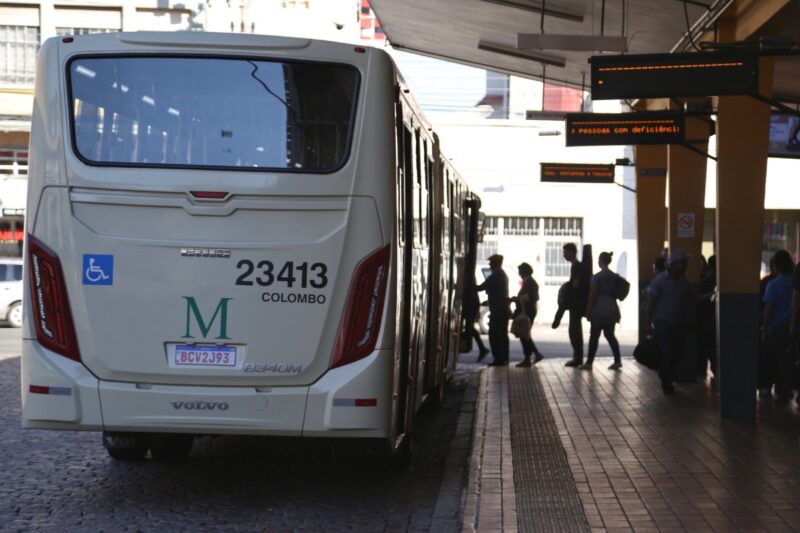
685	225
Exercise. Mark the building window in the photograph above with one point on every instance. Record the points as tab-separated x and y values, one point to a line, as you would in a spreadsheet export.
18	48
370	25
563	226
490	225
486	249
81	31
13	163
520	226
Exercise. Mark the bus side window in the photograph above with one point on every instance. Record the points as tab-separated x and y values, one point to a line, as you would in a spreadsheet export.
408	186
422	154
447	216
462	202
417	181
400	176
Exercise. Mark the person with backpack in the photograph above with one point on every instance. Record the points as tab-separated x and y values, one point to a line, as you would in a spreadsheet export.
603	312
579	276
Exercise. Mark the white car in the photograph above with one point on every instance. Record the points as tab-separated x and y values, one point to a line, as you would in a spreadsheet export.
11	290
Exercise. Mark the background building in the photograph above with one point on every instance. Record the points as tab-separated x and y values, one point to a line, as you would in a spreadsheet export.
481	118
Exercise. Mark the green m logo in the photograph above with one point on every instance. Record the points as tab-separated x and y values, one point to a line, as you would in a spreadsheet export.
193	311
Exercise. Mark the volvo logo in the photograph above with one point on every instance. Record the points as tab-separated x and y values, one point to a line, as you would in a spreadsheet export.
199	405
205	252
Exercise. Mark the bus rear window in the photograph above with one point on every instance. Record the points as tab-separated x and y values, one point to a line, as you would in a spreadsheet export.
212	113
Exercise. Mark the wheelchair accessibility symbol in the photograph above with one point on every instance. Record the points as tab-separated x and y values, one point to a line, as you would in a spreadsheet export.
98	269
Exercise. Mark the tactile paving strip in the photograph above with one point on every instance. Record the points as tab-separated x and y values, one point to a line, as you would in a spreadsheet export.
547	498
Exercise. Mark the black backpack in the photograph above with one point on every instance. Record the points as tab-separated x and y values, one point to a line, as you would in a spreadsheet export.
621	288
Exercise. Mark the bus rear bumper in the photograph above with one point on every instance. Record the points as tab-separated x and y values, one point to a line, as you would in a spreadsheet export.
57	393
353	400
350	401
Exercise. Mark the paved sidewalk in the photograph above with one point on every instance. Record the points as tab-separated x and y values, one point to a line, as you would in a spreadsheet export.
609	452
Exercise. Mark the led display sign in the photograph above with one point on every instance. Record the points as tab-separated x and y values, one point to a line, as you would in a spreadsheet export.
605	129
577	173
622	77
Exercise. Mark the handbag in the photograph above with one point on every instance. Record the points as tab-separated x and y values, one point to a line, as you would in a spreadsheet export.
521	325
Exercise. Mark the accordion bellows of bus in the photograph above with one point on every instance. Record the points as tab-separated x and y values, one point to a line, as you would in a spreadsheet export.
236	234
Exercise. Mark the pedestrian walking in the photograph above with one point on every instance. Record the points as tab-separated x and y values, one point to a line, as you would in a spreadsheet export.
669	296
775	326
476	334
707	317
764	378
603	312
527	301
794	327
576	303
496	287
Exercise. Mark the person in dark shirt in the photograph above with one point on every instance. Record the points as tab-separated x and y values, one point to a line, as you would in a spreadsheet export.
764	378
707	317
775	328
577	303
794	328
670	294
496	287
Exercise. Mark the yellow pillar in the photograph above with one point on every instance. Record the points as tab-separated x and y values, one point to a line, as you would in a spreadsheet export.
651	209
651	212
687	191
742	143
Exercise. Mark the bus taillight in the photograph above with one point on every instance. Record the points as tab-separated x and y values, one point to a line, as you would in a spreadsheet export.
362	313
52	317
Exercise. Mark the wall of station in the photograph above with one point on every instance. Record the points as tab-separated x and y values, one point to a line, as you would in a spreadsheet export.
501	161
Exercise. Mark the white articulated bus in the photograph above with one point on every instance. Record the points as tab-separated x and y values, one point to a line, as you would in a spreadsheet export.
236	234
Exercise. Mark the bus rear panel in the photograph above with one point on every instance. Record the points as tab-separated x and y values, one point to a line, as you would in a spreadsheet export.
200	219
235	234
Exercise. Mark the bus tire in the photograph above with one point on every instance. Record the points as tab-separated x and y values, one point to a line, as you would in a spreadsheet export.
171	447
125	446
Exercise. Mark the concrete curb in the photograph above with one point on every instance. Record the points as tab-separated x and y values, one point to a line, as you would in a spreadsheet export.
448	509
490	501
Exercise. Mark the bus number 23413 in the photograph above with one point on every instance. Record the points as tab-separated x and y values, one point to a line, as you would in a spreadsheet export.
266	273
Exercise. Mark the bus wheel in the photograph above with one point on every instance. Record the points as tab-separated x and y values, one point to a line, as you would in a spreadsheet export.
171	447
125	446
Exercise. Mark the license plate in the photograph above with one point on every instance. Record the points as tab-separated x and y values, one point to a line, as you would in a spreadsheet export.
194	355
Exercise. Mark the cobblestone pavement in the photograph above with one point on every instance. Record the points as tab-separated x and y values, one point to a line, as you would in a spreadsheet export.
55	480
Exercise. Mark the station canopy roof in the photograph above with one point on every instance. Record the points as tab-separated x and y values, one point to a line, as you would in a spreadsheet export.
483	33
